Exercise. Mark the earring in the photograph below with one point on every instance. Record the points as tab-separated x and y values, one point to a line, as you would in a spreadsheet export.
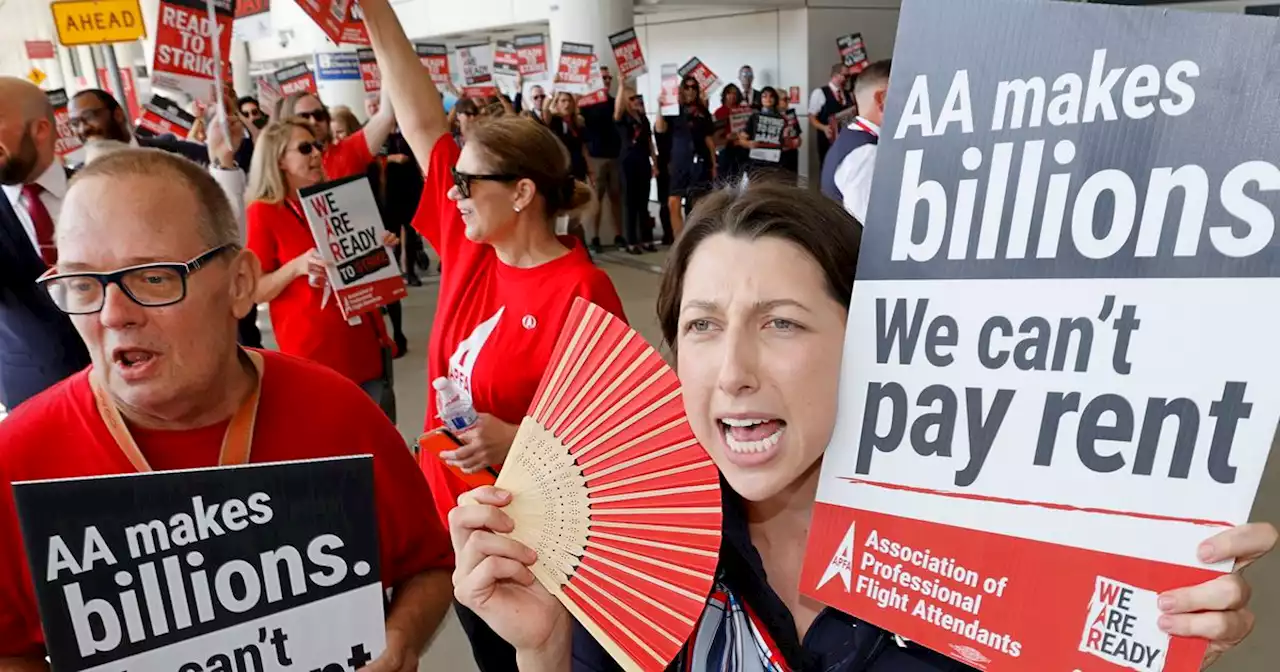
516	208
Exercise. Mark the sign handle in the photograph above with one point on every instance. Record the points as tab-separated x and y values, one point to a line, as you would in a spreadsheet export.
220	117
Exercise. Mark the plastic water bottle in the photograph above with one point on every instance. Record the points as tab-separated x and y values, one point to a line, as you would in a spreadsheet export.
453	405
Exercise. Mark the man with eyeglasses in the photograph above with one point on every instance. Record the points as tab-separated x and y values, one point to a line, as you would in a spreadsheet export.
38	346
151	270
353	154
95	114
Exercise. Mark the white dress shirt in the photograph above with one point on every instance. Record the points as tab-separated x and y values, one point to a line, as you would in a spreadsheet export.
853	175
54	181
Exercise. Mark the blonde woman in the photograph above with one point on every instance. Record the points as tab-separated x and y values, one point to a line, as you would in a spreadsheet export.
286	159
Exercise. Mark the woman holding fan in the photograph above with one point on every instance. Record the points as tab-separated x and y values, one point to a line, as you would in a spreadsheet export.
754	304
508	281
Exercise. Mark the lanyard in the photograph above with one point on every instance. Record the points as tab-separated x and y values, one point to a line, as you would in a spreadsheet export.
235	444
861	124
296	209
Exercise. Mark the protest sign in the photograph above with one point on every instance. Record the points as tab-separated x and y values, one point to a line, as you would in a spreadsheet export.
669	96
68	146
162	116
98	21
597	92
353	30
265	567
573	72
184	54
531	51
506	66
435	58
767	134
348	232
739	117
1060	382
268	92
476	63
853	52
329	15
791	136
337	66
370	74
252	20
626	49
295	79
706	79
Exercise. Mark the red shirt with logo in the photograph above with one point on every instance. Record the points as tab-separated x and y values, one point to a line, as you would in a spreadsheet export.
496	325
346	157
278	233
60	434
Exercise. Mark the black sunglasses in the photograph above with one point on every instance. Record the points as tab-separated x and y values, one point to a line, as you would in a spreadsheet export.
305	148
463	180
317	116
148	285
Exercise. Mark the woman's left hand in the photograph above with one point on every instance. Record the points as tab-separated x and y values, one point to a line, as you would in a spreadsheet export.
390	239
484	445
1217	610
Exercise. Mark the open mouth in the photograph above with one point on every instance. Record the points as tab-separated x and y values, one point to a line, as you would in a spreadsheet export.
747	436
132	360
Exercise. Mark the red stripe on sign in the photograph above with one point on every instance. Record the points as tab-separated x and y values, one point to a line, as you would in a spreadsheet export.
1043	505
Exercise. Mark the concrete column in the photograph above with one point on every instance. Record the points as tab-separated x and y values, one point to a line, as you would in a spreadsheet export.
591	22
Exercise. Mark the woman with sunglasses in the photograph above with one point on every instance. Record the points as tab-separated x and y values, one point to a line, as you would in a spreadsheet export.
754	304
562	117
343	157
287	159
508	281
693	151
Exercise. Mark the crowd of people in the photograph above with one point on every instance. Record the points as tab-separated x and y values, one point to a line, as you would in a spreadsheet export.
128	290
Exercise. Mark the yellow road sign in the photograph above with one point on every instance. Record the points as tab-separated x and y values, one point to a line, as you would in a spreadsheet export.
36	76
98	21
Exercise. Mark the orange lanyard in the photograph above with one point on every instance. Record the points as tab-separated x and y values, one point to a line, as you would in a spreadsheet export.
236	444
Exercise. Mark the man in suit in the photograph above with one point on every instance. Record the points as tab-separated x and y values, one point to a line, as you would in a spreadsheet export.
95	114
38	345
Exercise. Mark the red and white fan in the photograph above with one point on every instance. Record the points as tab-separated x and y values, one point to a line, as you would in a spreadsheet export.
611	489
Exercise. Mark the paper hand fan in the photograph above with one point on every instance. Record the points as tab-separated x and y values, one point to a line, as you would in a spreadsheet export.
611	489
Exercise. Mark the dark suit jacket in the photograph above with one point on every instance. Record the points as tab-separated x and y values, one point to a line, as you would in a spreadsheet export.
38	345
194	151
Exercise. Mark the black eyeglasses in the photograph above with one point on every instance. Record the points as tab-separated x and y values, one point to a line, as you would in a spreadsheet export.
305	148
317	116
148	285
463	180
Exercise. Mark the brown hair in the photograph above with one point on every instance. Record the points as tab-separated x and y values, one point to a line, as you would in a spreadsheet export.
266	179
218	224
287	105
757	208
346	117
518	146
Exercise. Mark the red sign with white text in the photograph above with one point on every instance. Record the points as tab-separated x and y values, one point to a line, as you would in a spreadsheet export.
164	117
370	75
435	58
531	53
337	20
296	79
706	78
626	49
669	97
68	146
597	92
184	59
573	73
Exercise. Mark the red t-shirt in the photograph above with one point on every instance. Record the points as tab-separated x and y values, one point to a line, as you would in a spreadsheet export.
496	325
59	434
278	234
346	157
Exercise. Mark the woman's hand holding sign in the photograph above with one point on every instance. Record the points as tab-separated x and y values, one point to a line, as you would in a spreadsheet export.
1217	610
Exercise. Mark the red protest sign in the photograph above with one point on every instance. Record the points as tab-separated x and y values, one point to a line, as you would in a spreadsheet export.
626	48
573	72
184	47
435	58
68	145
531	52
370	75
130	96
38	49
163	116
706	79
669	98
353	30
479	91
853	52
598	93
330	15
296	79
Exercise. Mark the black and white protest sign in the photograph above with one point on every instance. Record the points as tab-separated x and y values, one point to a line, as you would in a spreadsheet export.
1060	375
260	568
766	131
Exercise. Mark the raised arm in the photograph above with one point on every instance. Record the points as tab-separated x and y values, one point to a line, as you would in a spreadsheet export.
380	125
419	107
622	101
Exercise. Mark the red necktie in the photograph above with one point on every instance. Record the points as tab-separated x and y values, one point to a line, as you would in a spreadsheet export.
42	222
